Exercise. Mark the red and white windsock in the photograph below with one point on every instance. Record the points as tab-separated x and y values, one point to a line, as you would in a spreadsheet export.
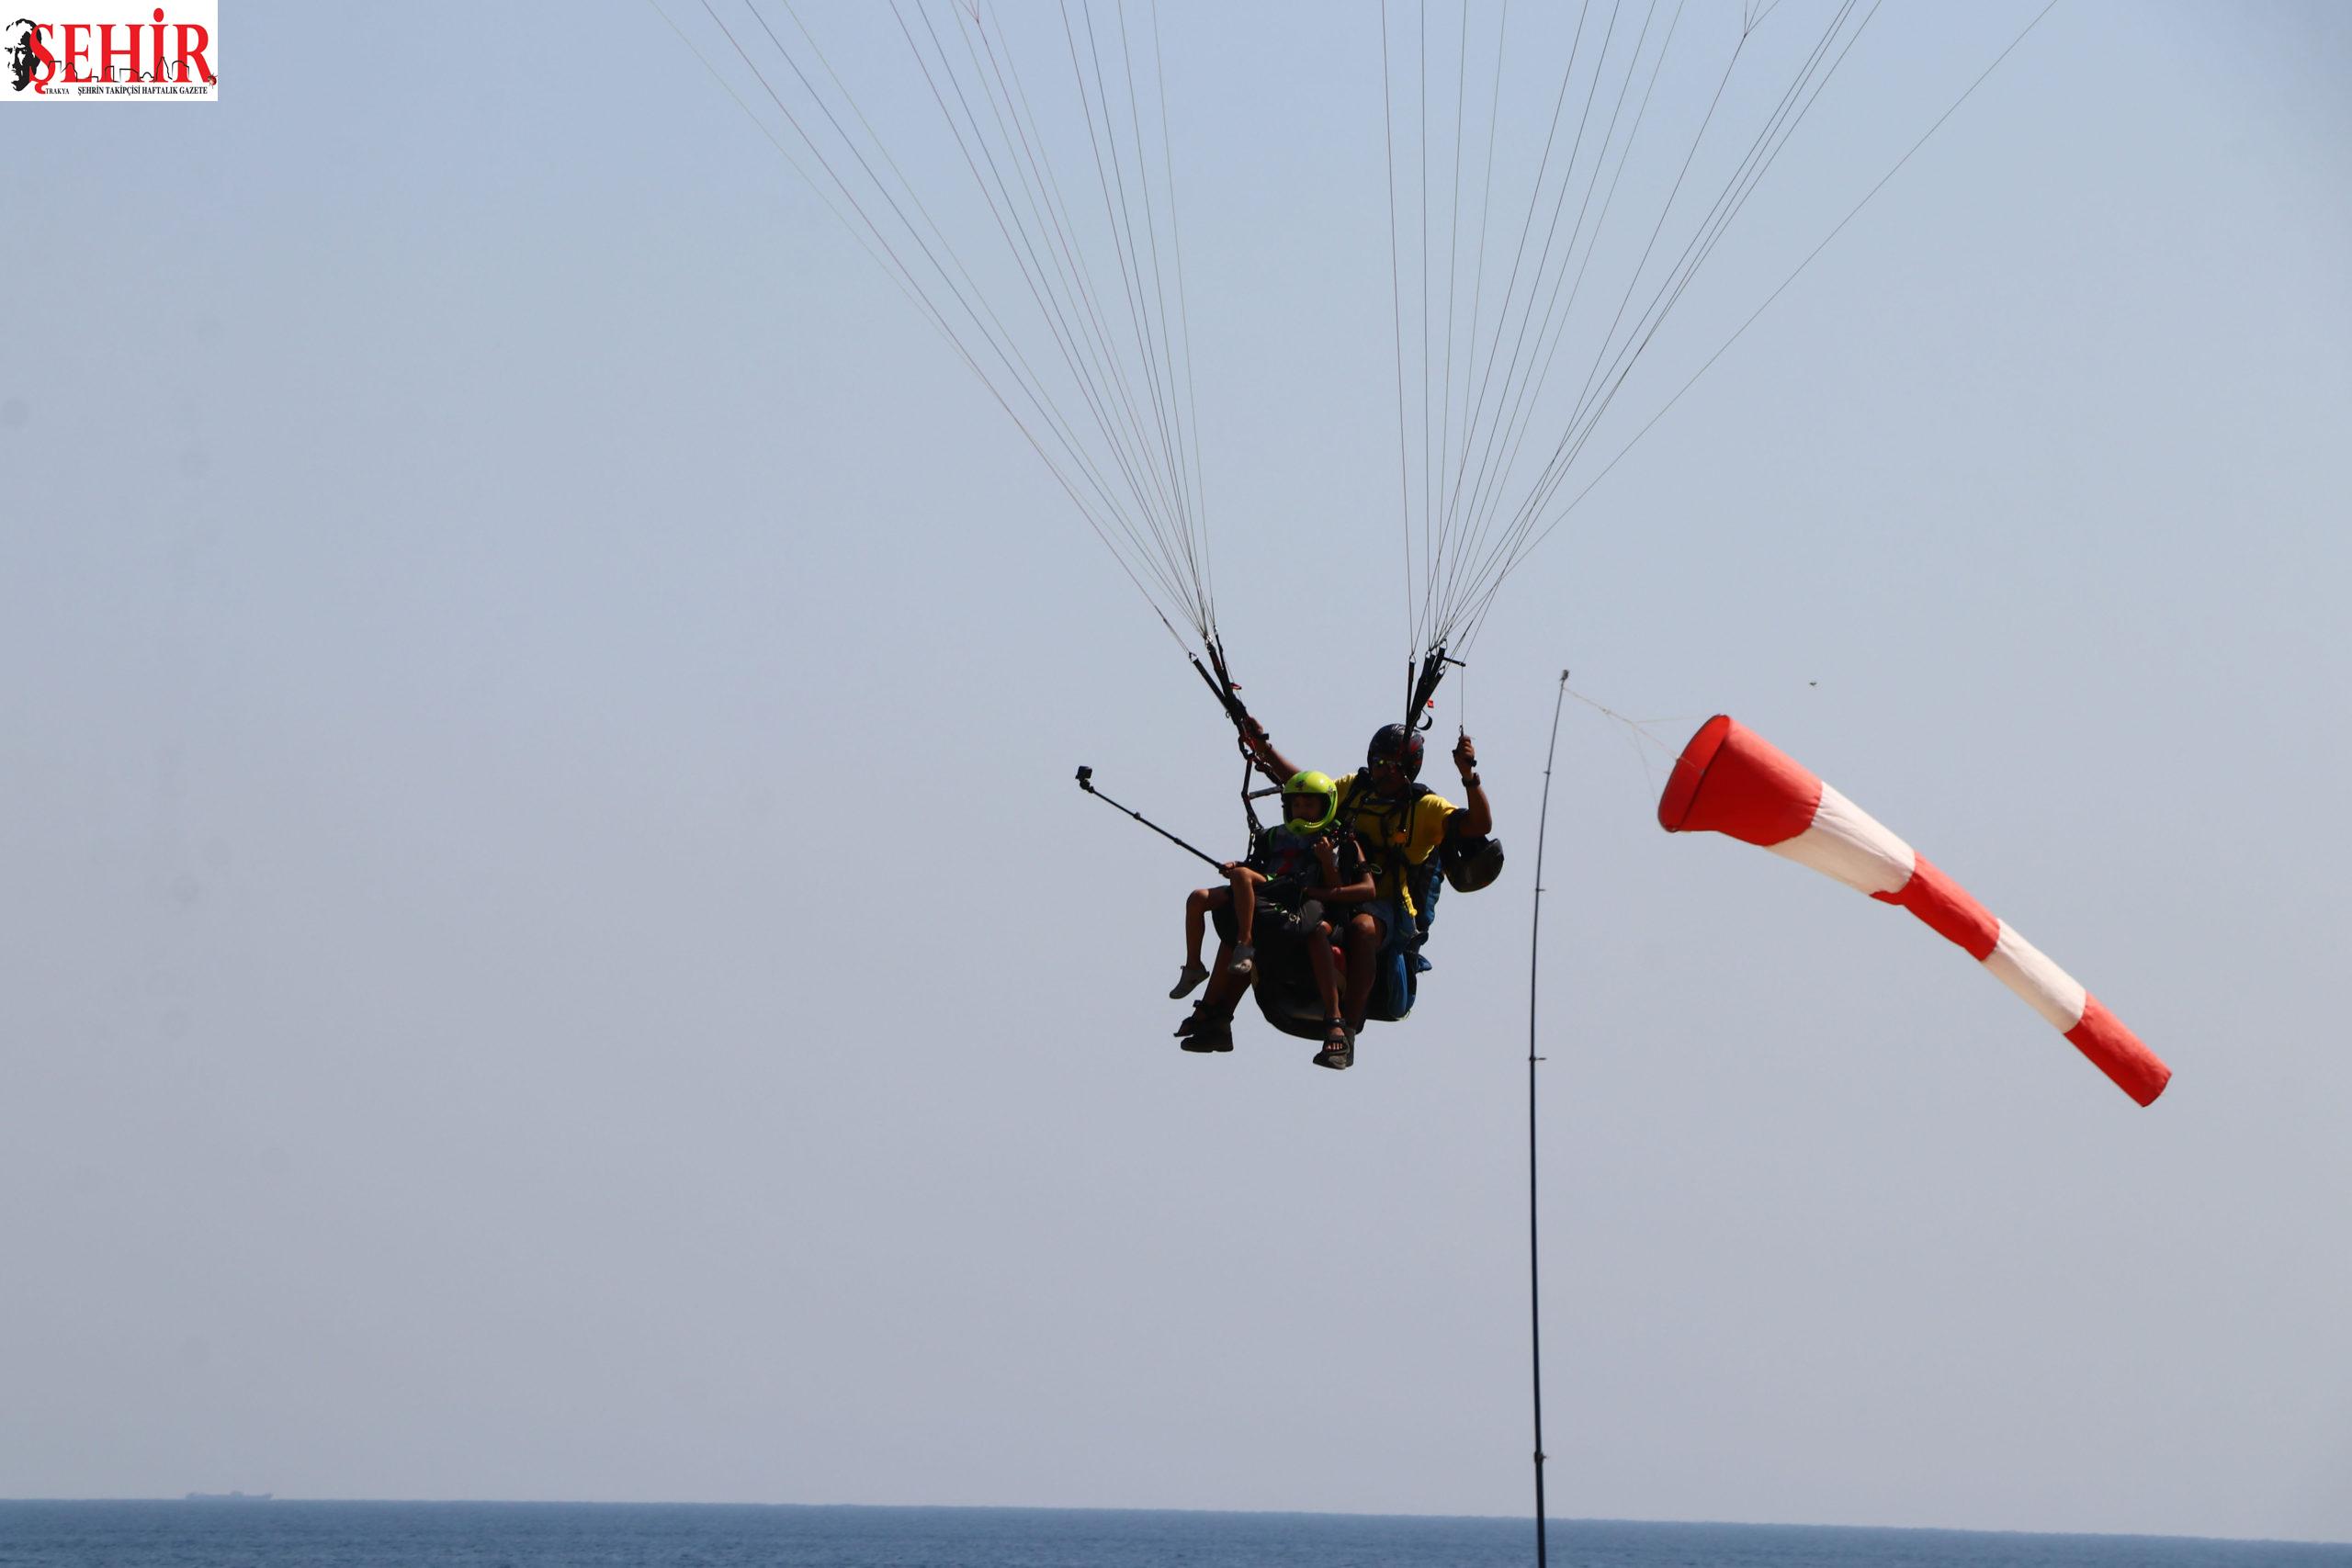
1731	780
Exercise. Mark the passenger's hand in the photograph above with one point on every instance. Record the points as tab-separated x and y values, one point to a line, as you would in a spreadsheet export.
1229	867
1326	856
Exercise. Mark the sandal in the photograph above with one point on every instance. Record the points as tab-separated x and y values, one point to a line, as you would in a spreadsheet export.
1190	980
1245	960
1338	1051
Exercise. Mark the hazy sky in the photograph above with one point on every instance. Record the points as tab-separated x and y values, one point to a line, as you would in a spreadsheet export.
548	949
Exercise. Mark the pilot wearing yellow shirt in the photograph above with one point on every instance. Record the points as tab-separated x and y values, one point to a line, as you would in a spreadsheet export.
1400	827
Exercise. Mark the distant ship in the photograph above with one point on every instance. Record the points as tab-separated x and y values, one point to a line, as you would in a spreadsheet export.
227	1496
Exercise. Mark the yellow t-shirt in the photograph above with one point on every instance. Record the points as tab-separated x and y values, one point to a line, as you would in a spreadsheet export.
1412	828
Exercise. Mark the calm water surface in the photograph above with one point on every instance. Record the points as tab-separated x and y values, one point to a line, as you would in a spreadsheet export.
561	1535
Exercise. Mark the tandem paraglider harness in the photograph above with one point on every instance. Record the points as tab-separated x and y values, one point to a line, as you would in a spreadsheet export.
1399	964
1284	992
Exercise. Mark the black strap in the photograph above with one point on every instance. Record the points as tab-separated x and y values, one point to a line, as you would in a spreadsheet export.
1400	811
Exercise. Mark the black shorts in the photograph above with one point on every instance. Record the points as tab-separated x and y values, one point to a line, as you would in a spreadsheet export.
1281	922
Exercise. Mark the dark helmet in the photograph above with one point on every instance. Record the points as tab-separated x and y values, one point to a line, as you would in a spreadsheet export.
1398	744
1471	864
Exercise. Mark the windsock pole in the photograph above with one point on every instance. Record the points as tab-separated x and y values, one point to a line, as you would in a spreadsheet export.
1534	1269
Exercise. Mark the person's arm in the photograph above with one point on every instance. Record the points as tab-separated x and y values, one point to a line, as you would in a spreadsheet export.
1477	819
1272	763
1357	891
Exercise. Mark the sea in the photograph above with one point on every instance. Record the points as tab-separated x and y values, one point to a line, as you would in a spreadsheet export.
284	1534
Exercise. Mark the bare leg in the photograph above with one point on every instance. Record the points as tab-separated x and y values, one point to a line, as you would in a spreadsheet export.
1319	958
1224	987
1363	945
1209	1026
1196	908
1245	903
1338	1033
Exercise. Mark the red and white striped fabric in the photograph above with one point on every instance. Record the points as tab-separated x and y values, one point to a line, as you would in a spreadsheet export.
1730	780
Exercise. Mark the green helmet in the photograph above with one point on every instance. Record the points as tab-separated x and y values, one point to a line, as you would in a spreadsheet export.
1319	785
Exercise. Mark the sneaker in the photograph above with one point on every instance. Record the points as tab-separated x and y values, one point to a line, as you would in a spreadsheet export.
1188	981
1245	960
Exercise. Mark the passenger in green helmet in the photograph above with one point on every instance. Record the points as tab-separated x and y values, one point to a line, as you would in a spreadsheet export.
1307	862
1400	824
